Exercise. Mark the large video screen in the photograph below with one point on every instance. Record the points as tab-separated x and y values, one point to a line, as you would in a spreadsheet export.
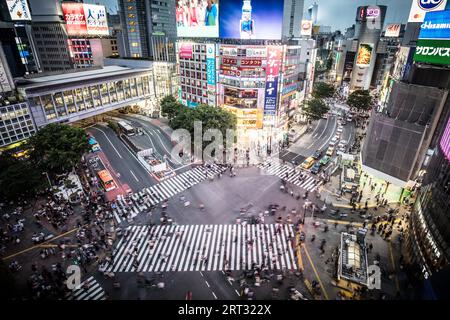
251	19
364	55
197	18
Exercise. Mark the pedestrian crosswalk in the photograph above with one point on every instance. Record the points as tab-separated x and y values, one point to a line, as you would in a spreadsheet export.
205	248
291	175
89	289
130	206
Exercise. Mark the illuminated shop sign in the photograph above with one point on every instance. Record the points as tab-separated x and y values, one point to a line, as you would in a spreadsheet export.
272	74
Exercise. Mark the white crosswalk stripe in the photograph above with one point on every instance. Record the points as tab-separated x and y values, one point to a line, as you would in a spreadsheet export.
290	175
205	247
130	208
89	289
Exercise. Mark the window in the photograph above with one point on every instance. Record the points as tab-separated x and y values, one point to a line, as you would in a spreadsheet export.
134	44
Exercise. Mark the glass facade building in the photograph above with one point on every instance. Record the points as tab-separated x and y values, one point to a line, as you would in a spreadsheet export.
15	123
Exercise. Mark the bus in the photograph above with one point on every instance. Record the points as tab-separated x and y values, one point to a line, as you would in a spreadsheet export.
126	128
94	144
106	180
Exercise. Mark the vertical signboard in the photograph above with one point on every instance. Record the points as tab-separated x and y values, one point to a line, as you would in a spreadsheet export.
18	10
364	54
445	141
4	82
211	73
272	75
306	29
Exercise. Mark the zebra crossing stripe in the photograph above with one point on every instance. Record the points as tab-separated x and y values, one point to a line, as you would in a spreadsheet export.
93	292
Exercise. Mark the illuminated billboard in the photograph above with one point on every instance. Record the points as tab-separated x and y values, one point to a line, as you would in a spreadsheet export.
392	30
251	19
436	25
18	10
433	51
306	29
364	55
85	19
197	19
274	54
185	51
445	141
420	7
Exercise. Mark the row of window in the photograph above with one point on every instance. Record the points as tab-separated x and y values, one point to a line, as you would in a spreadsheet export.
60	104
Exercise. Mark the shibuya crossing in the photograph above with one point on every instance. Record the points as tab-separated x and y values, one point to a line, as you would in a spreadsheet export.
233	150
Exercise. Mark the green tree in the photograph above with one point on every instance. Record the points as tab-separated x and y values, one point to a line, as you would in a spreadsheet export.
113	125
170	107
323	90
329	63
314	109
19	177
360	100
57	148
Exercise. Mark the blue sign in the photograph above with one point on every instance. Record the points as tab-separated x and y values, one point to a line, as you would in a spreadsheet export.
211	71
270	100
429	4
192	104
436	25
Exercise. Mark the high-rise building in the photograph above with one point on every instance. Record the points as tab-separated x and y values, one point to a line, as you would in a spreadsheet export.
149	28
50	35
428	235
292	19
369	24
313	10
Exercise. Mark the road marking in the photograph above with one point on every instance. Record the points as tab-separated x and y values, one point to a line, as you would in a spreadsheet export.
150	132
39	245
120	156
330	137
207	284
215	297
237	292
134	175
315	272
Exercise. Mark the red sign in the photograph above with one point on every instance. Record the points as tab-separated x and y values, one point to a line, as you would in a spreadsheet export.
251	62
186	51
75	18
229	61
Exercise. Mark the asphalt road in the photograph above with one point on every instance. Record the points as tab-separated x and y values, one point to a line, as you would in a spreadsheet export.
121	159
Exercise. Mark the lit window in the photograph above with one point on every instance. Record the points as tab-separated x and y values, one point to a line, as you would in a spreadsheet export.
134	44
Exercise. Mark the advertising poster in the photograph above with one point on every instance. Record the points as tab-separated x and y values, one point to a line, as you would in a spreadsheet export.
185	51
255	19
364	55
210	64
433	51
18	10
85	19
272	74
420	7
75	19
392	30
199	18
96	22
436	25
306	29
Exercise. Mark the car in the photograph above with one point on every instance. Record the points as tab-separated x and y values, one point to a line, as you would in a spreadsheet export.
342	144
315	168
317	154
308	163
324	161
333	141
339	129
330	151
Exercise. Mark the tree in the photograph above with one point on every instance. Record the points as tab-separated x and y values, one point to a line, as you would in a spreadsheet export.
170	107
315	109
360	100
57	148
323	90
114	126
19	177
210	117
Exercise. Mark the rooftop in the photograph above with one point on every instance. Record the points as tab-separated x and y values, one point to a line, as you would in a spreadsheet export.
83	75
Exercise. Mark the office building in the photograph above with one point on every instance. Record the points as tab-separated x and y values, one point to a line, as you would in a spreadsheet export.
292	19
313	10
50	35
149	29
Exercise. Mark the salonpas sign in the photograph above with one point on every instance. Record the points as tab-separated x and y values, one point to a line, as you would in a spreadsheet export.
433	51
